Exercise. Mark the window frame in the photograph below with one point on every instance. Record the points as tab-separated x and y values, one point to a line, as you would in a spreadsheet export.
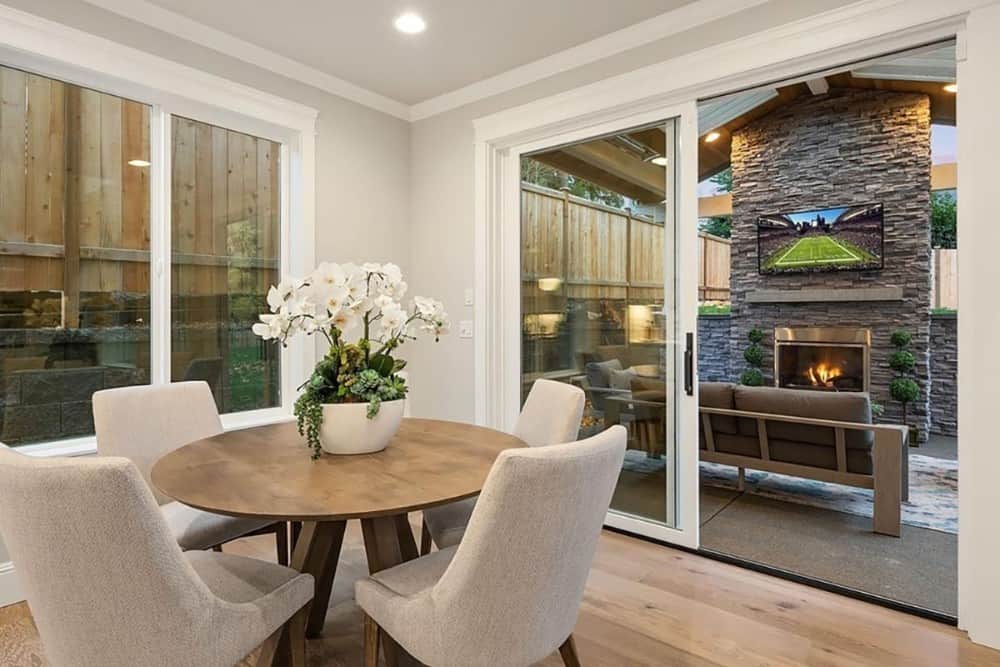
59	52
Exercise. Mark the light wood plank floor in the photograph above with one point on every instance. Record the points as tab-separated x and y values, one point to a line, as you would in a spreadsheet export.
649	605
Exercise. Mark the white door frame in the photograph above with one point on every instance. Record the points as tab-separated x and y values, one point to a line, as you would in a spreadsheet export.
504	393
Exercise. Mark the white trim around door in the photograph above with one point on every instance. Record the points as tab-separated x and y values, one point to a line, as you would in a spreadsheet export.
498	335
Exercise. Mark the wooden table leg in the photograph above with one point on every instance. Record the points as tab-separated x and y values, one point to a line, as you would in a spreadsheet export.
317	552
389	542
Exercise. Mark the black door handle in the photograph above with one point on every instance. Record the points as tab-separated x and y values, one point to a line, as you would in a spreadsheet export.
689	364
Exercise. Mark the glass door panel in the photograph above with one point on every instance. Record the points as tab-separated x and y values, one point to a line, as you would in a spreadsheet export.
598	245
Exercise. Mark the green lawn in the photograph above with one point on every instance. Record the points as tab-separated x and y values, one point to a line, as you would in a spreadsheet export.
810	251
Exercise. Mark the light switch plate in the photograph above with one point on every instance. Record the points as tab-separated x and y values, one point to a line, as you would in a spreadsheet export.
465	329
469	297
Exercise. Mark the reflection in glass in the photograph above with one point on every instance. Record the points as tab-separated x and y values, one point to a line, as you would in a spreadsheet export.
595	225
224	249
74	253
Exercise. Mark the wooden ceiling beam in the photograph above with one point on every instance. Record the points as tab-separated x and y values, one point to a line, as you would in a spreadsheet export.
573	166
621	164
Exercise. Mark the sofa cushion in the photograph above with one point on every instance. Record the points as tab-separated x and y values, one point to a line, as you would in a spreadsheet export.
718	395
819	456
622	379
599	372
838	406
648	389
733	444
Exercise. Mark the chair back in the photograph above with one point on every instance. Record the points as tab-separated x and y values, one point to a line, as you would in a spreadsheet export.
551	414
105	579
144	423
518	576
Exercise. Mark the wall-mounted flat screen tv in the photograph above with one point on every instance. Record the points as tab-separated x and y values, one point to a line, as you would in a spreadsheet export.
840	238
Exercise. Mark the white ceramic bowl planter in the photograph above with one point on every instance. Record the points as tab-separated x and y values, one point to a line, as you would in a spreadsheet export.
348	430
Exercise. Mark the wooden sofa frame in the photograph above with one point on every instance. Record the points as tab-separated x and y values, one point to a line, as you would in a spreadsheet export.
888	463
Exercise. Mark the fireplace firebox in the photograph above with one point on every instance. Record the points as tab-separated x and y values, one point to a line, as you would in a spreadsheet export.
822	358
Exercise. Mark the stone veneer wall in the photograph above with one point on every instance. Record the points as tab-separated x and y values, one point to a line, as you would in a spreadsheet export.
713	348
716	363
845	147
944	374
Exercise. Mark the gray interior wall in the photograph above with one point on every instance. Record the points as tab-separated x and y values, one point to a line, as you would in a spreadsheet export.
442	181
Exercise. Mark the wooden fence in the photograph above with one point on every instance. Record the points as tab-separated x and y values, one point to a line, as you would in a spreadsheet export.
610	253
74	214
75	219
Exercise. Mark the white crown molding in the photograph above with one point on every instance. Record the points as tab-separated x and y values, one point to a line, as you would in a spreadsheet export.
32	41
180	26
775	54
658	27
639	34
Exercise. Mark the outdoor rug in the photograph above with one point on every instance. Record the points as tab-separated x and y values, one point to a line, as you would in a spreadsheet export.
933	500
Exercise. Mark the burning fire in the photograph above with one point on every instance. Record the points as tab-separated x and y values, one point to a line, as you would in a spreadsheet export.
823	375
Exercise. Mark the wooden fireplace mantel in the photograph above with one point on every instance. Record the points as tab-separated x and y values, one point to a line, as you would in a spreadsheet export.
860	294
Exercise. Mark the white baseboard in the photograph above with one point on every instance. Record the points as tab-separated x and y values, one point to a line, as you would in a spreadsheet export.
10	592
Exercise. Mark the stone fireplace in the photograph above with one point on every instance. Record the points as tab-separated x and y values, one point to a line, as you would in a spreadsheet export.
822	358
843	148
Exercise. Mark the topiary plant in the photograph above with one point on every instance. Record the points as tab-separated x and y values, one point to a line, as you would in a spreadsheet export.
903	388
753	376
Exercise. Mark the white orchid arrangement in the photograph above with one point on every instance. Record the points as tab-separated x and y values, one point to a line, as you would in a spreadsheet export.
334	301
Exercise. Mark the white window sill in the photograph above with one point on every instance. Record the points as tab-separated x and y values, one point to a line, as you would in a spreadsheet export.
87	445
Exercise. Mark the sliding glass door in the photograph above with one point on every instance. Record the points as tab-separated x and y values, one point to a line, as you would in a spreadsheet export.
601	305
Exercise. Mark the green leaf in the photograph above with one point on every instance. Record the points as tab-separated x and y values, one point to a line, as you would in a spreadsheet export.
399	365
382	364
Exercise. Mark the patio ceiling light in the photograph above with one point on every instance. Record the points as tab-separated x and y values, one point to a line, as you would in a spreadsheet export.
410	23
659	161
138	163
711	136
951	88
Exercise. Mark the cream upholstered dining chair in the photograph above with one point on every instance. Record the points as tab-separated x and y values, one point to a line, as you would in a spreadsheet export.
550	416
510	592
108	585
142	424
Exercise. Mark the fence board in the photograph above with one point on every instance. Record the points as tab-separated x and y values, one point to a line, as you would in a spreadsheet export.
945	278
12	175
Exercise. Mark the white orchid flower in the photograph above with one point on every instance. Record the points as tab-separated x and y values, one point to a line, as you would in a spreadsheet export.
269	327
337	299
277	295
393	318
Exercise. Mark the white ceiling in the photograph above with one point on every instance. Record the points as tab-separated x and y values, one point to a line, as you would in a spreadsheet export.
466	40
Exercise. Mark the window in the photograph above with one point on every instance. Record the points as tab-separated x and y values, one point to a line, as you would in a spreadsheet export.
225	213
74	253
137	246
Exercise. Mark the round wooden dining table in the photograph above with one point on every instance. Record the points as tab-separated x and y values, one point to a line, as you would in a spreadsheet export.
266	472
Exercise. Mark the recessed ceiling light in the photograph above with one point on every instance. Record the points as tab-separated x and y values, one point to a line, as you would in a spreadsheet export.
139	163
410	23
711	136
951	88
659	161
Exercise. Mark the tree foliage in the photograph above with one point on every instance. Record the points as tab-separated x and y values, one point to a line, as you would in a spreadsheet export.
944	220
723	180
720	225
536	173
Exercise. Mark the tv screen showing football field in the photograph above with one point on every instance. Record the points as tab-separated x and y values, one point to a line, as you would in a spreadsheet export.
842	238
